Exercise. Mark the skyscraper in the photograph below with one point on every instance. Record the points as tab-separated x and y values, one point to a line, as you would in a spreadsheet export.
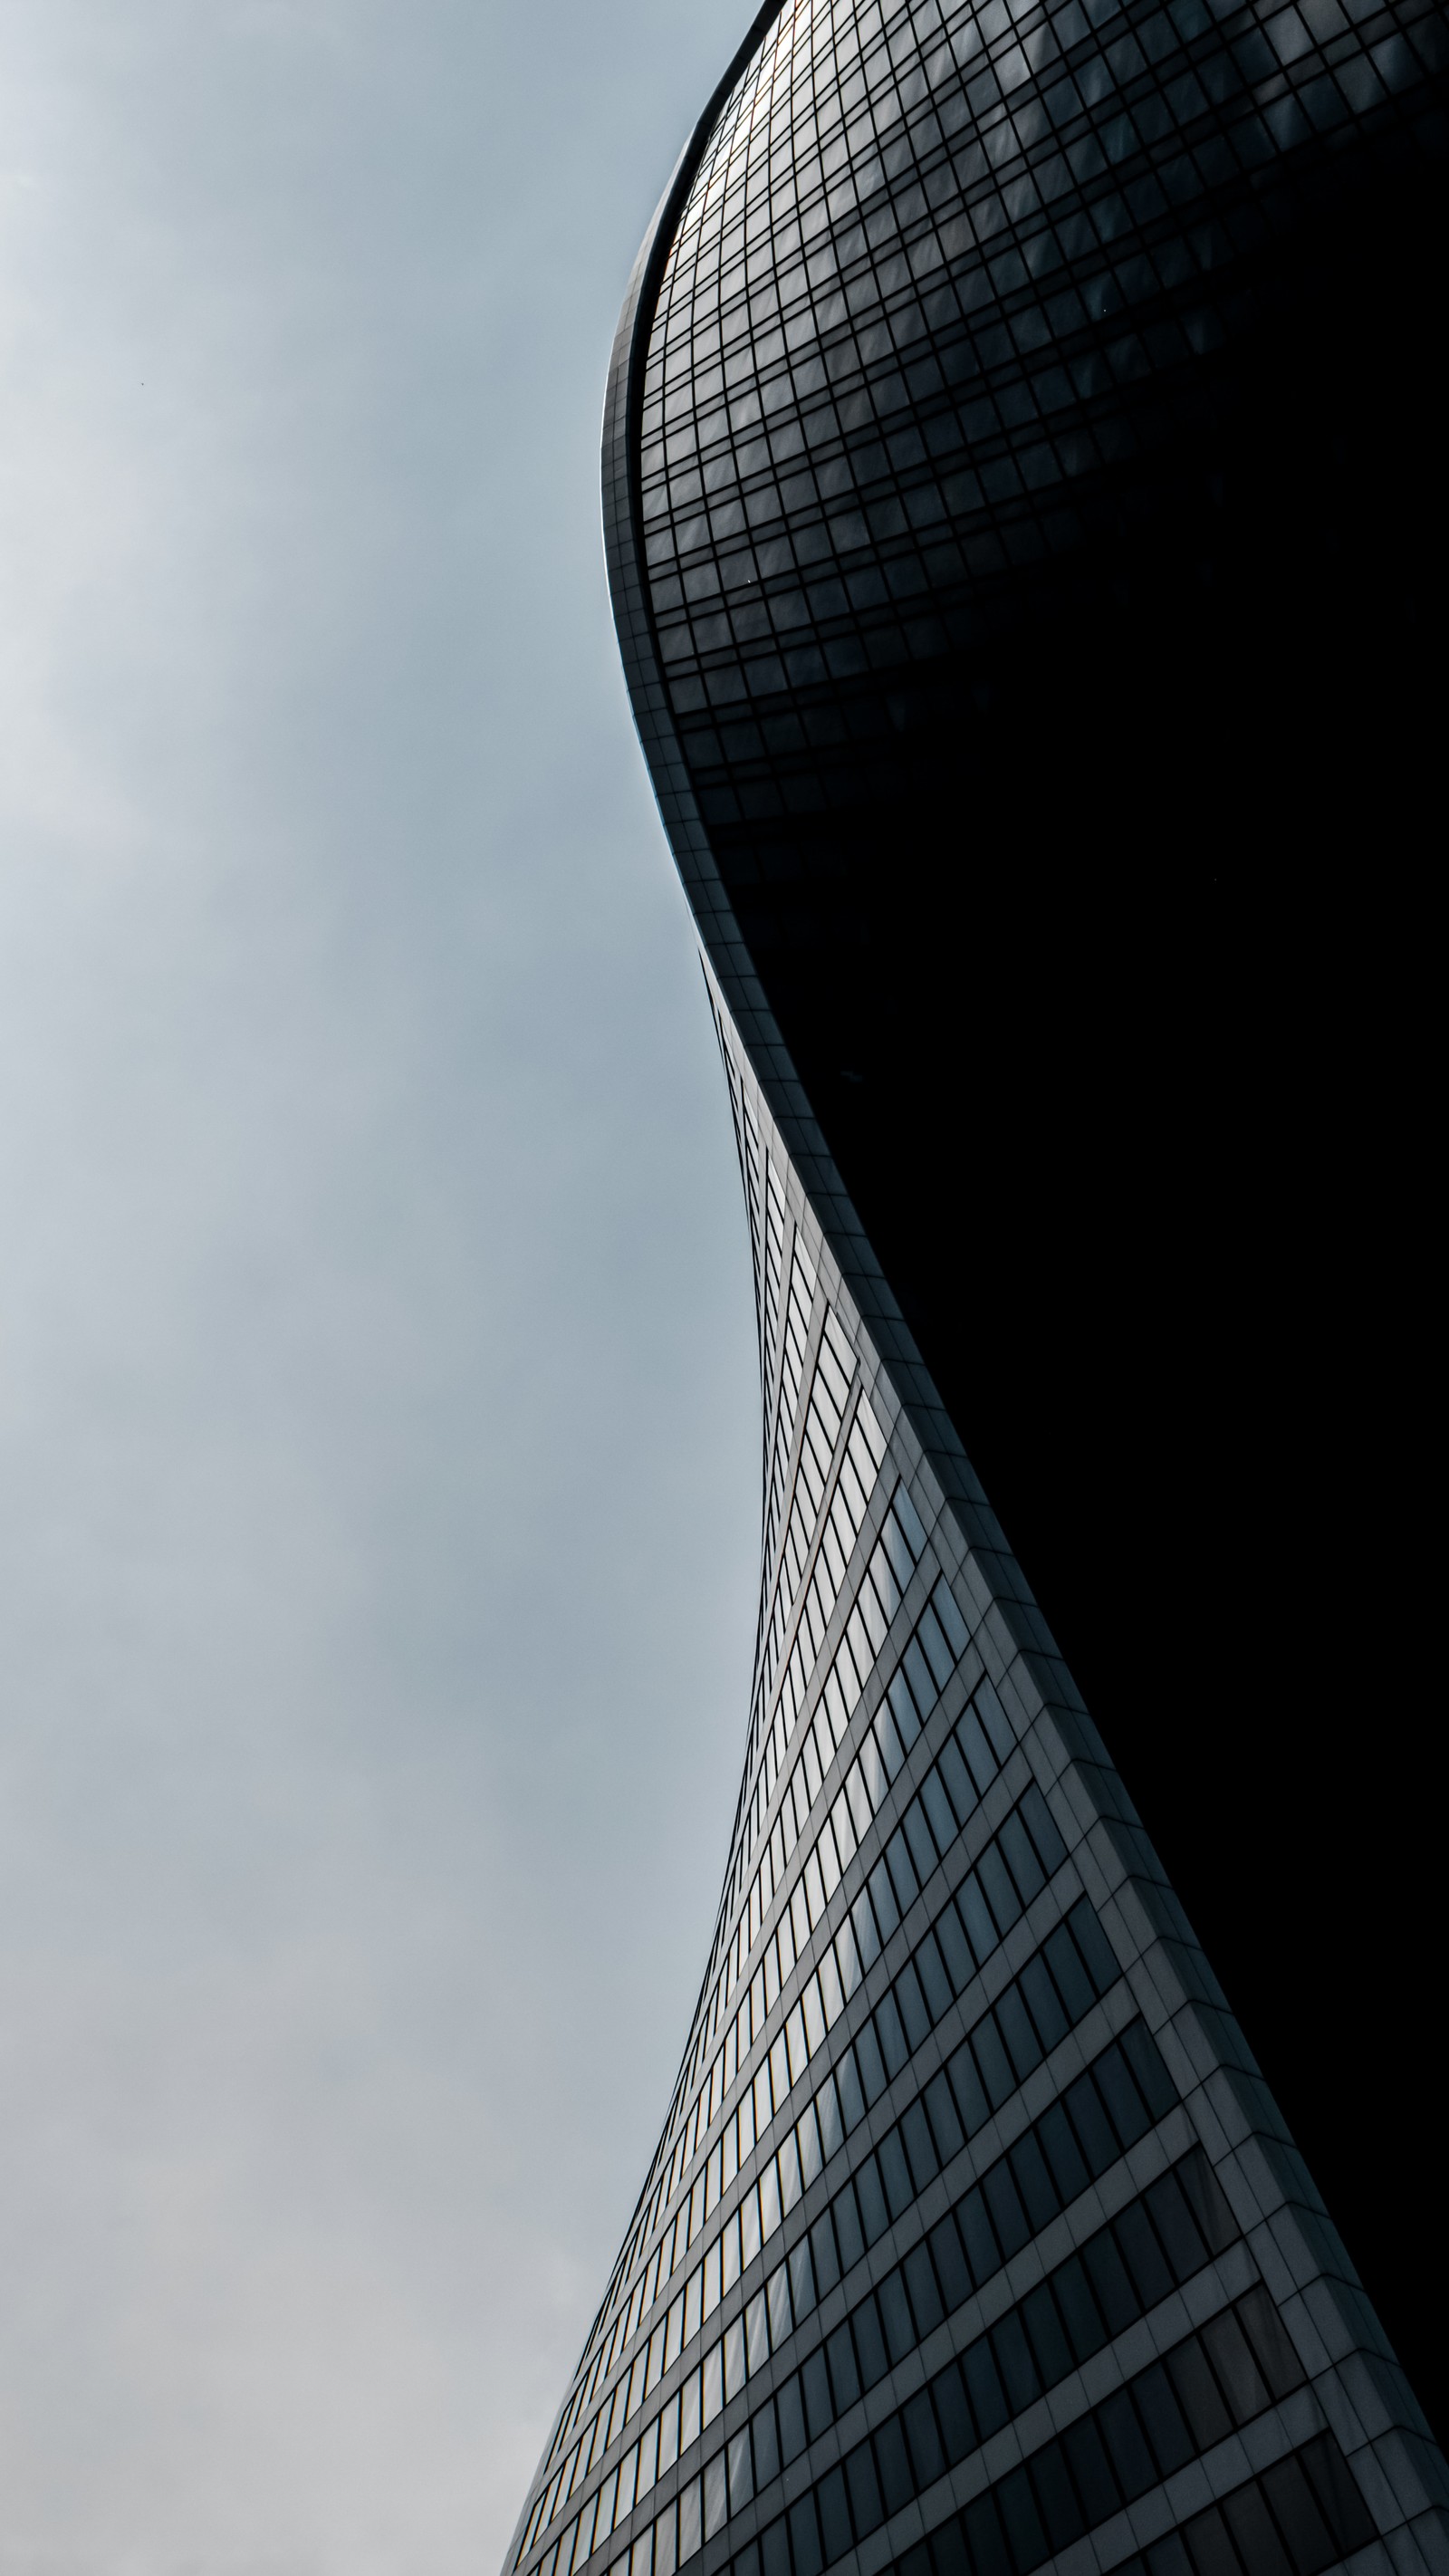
1024	534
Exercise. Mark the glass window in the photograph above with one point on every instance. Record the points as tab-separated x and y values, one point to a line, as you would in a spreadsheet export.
690	2532
815	2389
867	2509
927	2307
689	2396
893	2465
749	2233
1235	2367
805	2549
802	2280
790	2416
980	1929
849	2235
766	2445
871	2356
669	2435
777	2293
741	2471
648	2457
716	2502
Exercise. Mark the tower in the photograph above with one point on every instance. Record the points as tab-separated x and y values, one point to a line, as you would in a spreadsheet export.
968	413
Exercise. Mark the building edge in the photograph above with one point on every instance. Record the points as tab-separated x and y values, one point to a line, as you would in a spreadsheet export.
1361	2389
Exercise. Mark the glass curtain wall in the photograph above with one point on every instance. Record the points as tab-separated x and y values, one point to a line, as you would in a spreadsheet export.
967	408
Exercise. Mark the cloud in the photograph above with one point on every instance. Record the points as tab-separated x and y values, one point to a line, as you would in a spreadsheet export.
378	1497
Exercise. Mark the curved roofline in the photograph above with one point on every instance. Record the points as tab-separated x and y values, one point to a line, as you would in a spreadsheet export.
729	963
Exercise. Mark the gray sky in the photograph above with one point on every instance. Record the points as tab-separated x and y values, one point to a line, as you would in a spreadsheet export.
378	1475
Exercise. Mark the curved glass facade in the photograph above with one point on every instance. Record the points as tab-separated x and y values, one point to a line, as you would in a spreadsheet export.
952	348
973	2238
979	408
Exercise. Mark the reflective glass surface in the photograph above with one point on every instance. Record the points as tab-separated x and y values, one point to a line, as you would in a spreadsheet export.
949	2181
1028	529
971	401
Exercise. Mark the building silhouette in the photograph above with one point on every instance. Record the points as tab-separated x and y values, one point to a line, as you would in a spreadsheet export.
1022	501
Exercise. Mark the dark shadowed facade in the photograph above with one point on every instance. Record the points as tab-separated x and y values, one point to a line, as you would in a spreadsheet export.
1026	531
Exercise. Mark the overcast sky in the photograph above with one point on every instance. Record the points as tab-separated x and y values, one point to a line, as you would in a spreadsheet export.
378	1419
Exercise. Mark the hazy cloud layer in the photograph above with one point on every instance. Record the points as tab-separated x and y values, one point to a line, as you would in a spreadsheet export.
378	1474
